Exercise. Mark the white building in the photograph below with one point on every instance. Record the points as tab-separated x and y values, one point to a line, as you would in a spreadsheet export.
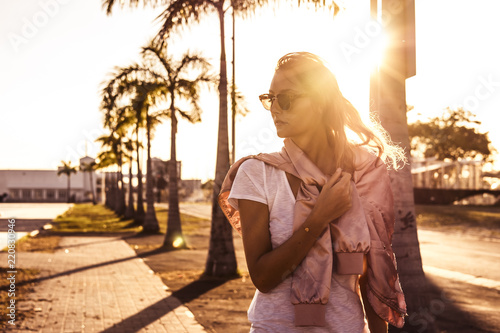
432	173
47	186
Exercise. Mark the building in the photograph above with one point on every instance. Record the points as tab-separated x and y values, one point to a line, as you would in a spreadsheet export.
432	173
458	182
187	187
47	186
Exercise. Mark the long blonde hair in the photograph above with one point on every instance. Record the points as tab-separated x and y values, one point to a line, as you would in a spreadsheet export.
338	113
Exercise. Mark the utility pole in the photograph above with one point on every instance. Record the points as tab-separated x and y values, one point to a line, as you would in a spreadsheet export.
388	100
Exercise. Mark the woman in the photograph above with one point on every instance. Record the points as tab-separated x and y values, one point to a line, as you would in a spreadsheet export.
317	218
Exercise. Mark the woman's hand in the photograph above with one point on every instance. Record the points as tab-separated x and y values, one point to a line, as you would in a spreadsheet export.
334	199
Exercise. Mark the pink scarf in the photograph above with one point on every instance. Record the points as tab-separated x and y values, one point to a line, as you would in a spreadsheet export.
365	229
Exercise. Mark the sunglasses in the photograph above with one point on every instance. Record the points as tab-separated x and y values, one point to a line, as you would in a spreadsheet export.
284	100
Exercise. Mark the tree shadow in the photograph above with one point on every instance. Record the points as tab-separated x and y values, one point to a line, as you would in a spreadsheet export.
106	263
445	312
157	310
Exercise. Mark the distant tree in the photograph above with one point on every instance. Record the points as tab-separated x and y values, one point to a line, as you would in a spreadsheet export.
67	170
113	155
159	81
90	168
454	135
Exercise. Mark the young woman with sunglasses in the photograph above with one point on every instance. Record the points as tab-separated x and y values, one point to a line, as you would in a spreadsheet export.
317	218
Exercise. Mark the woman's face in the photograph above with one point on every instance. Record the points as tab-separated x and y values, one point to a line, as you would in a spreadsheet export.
302	119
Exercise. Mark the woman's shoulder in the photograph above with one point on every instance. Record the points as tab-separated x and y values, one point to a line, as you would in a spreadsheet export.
252	163
364	156
256	165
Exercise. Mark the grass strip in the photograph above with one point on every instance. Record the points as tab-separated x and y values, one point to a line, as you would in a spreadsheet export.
92	218
486	217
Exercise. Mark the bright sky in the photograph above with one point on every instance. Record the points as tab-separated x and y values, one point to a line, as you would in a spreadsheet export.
54	55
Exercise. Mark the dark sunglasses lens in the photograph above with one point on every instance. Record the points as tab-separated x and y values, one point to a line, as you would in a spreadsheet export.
284	101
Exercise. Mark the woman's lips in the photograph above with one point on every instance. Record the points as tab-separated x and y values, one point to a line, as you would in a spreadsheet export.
279	123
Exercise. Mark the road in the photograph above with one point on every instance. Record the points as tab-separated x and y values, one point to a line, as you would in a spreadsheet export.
461	257
28	217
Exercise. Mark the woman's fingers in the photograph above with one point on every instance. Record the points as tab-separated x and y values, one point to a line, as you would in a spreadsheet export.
345	178
334	178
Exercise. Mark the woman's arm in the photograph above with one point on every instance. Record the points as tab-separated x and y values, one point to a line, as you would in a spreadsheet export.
268	267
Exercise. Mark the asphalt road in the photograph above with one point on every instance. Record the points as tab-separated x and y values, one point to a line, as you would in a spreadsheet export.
469	255
27	217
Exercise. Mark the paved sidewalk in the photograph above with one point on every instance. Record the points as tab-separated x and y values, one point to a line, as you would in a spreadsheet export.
97	284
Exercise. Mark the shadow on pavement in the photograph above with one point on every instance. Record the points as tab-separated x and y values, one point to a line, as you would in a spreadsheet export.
450	311
24	225
84	268
155	311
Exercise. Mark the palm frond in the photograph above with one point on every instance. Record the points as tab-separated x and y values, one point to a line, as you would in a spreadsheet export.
182	13
108	5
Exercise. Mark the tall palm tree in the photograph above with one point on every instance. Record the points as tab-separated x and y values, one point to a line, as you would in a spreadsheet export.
90	168
221	259
142	102
120	115
388	95
162	79
172	77
67	170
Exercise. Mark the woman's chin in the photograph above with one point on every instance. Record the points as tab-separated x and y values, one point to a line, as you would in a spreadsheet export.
281	134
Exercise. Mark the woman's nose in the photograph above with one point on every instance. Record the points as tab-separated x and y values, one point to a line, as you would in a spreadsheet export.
274	107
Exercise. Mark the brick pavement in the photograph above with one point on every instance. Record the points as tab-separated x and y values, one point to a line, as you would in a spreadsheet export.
97	284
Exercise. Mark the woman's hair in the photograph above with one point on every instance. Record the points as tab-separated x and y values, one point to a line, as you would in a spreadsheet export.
338	113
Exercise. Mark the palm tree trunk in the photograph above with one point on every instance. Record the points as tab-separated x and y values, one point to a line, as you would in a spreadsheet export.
114	192
92	187
140	213
130	212
221	260
174	238
120	205
150	221
69	188
389	94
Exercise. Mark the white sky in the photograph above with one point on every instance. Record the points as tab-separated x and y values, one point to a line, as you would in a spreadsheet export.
54	55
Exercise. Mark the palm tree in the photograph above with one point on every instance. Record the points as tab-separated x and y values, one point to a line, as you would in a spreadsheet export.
112	156
67	170
221	259
130	211
161	79
142	102
171	75
90	167
238	107
388	95
123	117
140	213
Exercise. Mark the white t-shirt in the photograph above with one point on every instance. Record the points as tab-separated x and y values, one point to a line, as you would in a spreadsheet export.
273	311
